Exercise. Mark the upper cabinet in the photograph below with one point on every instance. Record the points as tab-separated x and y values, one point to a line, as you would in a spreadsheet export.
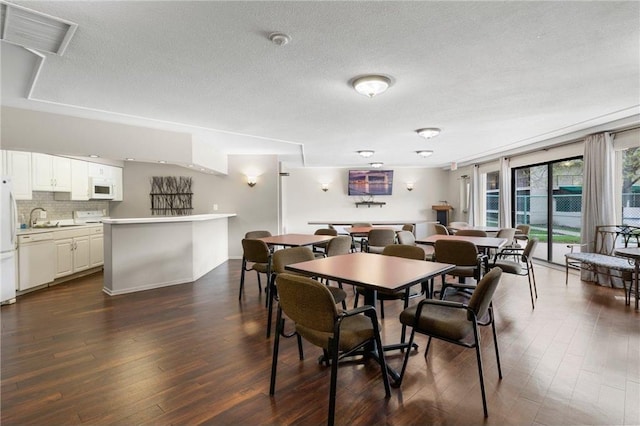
17	164
79	180
51	173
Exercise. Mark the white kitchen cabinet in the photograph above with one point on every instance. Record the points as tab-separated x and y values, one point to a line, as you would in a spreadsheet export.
97	250
51	173
17	164
116	175
97	170
79	180
72	255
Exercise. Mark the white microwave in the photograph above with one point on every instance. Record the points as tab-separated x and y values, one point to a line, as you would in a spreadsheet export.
101	189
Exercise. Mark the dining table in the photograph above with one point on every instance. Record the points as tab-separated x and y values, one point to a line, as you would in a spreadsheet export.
633	254
487	229
295	240
374	273
362	231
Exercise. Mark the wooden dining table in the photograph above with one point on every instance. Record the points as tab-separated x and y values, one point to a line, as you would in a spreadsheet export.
480	242
374	273
362	231
295	240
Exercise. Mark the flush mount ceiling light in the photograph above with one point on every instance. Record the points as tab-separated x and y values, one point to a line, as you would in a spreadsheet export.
376	165
428	132
366	153
371	85
424	153
279	39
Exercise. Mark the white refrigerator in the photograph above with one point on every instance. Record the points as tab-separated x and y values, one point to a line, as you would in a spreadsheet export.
8	243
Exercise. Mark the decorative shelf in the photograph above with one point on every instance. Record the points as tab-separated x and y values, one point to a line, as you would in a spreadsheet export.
370	203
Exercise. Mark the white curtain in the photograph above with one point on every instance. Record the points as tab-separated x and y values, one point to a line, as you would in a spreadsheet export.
474	216
597	189
505	194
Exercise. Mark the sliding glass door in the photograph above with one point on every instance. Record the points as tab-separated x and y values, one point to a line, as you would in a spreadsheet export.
548	197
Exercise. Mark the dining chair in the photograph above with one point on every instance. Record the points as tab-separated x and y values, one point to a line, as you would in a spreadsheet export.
471	233
464	255
456	322
522	234
441	229
359	244
288	256
311	307
523	266
397	250
377	239
257	234
407	238
408	227
256	253
321	247
506	233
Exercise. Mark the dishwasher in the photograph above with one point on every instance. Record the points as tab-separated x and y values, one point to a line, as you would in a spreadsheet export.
36	260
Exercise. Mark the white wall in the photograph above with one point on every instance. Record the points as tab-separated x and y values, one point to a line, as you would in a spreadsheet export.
256	207
304	201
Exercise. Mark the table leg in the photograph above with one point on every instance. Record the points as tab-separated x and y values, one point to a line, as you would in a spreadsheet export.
637	281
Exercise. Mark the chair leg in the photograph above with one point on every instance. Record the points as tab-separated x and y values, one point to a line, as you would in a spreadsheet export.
479	359
404	327
300	351
244	265
533	275
383	362
406	358
276	346
426	350
495	343
355	300
381	309
270	297
533	306
333	345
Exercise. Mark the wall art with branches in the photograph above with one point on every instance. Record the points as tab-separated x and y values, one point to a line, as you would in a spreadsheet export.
171	195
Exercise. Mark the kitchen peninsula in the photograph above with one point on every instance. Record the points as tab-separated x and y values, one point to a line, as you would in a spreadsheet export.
151	252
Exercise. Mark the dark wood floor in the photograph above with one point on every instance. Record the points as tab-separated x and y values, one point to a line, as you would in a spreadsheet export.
192	354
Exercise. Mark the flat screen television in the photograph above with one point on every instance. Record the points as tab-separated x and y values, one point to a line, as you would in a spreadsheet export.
370	182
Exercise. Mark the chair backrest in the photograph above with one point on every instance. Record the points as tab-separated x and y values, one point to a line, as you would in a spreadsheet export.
307	302
483	293
441	229
361	225
381	237
256	251
405	251
284	257
339	245
507	233
257	234
456	252
523	229
529	248
408	227
458	225
326	231
406	238
471	233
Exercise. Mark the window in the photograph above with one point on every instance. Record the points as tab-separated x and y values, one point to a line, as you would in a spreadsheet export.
631	186
492	199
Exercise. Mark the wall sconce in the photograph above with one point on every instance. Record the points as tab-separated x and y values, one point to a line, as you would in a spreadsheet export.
409	186
251	181
324	187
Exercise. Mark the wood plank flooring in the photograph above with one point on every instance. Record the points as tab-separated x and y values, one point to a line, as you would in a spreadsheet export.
193	354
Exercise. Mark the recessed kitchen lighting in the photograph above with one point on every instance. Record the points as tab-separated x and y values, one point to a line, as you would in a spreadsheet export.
162	162
190	165
376	165
371	85
428	132
94	156
366	153
424	153
130	159
202	169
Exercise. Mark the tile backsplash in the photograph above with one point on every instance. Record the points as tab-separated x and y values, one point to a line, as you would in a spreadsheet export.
56	209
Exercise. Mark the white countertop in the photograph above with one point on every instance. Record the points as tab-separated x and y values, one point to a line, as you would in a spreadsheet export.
28	231
168	219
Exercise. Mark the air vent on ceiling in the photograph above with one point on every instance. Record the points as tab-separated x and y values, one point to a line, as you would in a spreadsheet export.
34	30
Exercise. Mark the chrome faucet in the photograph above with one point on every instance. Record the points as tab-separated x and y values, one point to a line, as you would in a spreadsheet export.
33	221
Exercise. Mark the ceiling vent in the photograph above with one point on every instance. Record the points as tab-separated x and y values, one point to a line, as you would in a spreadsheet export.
34	30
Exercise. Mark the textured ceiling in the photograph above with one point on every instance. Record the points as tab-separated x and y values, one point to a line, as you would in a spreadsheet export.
494	76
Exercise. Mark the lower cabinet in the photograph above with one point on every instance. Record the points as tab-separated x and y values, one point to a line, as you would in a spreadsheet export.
96	243
73	255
